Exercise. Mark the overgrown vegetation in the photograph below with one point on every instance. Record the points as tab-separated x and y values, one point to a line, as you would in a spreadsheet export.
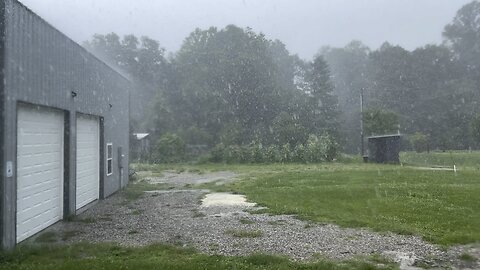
313	150
170	148
420	142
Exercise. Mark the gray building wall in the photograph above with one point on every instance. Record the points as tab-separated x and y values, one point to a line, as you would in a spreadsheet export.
44	67
2	106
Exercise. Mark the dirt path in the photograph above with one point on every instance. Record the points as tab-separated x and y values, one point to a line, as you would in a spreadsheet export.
219	223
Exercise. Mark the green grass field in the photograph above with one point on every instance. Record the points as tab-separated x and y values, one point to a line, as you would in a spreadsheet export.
441	206
462	159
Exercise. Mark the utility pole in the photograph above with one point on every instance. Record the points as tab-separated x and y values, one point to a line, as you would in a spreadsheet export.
361	122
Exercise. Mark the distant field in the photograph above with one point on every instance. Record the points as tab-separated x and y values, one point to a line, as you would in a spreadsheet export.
447	159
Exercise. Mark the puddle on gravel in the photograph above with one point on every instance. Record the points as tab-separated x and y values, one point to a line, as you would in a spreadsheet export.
406	260
225	199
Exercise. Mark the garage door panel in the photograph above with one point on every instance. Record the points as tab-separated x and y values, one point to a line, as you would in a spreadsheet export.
39	209
39	169
47	139
88	160
31	175
48	188
35	187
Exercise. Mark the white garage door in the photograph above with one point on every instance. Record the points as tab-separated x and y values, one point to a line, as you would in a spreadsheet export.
88	160
39	170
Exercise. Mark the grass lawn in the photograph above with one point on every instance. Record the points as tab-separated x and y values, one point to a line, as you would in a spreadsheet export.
440	206
448	159
106	256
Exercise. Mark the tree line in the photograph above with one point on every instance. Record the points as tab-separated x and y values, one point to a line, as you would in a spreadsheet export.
233	87
433	91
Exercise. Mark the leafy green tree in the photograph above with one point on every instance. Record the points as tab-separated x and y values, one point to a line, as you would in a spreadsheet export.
170	148
427	89
233	75
143	60
378	121
196	136
321	101
349	70
419	142
463	35
287	130
328	147
392	78
231	134
475	129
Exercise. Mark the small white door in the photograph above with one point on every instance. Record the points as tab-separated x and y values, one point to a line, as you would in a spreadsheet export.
88	160
40	141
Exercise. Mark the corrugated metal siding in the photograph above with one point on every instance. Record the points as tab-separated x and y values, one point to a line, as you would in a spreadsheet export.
37	67
2	106
43	67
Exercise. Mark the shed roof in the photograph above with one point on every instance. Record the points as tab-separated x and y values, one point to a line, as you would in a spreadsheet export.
384	136
140	136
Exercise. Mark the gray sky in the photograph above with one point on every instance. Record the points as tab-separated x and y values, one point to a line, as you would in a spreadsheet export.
303	25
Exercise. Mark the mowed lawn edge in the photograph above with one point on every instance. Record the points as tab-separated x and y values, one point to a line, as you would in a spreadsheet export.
443	207
158	256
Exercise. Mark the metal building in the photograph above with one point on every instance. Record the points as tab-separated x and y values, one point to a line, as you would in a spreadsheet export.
384	148
64	128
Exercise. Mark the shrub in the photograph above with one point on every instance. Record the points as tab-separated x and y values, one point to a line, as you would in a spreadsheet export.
287	129
272	154
218	153
313	152
257	155
328	147
299	153
233	154
169	148
419	142
196	136
231	134
285	153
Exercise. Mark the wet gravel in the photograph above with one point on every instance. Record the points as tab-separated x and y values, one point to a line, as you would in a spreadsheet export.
177	217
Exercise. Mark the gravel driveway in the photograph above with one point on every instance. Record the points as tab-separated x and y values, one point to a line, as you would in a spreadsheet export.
214	226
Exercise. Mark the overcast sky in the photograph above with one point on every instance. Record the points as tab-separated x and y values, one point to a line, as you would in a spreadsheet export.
303	25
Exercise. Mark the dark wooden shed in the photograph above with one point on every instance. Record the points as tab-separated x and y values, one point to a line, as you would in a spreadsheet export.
384	148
